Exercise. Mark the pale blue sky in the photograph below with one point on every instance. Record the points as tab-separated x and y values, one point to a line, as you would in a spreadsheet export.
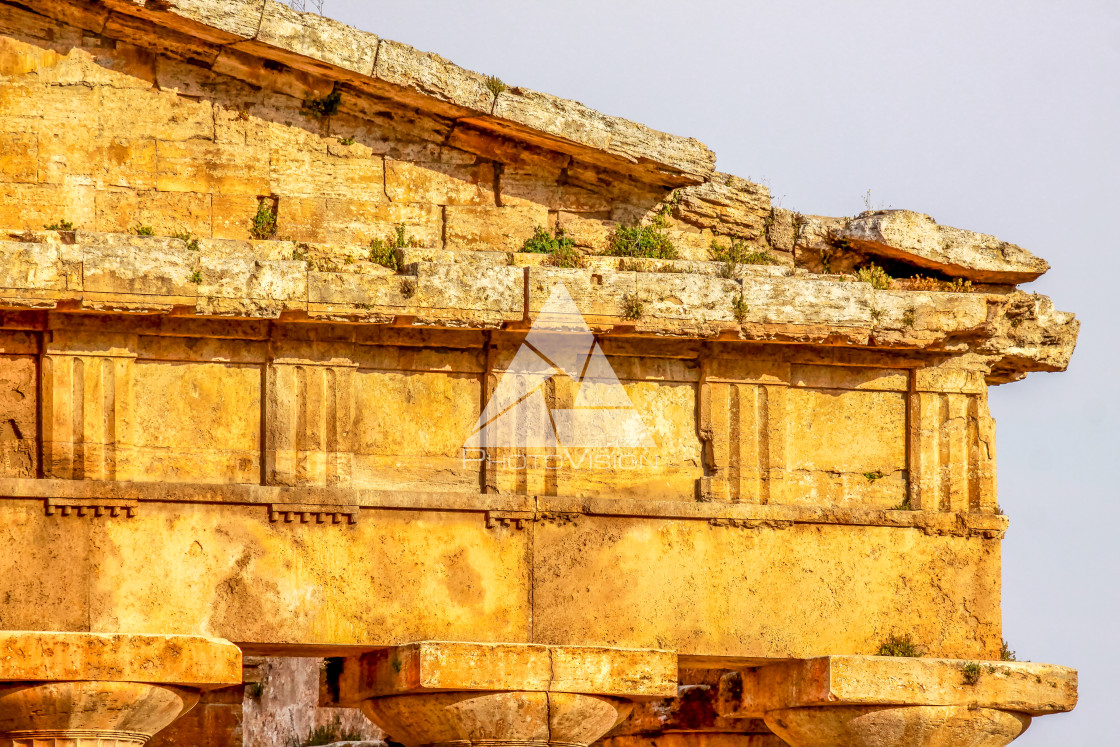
994	116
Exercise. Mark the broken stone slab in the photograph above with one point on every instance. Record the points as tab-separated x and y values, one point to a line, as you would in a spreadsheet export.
1029	334
917	239
726	204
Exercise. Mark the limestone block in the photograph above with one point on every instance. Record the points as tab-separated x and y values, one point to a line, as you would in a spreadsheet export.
355	221
303	174
686	298
492	228
589	233
919	240
143	113
303	39
275	286
678	158
206	167
19	403
67	156
296	85
34	206
139	265
542	189
164	41
185	660
87	17
122	211
232	216
434	666
411	419
18	157
217	21
725	204
190	423
37	266
1026	687
429	76
440	183
461	293
679	585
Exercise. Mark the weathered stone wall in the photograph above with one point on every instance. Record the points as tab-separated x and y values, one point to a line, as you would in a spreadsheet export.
290	404
130	125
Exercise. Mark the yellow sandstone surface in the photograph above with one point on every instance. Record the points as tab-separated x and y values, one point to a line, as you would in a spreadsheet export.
260	275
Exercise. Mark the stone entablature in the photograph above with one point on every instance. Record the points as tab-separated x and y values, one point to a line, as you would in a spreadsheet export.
223	414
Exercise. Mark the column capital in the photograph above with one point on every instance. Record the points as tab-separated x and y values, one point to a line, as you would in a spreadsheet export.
873	701
463	694
79	689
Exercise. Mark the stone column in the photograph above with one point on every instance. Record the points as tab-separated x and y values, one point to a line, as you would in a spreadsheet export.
465	694
874	701
96	690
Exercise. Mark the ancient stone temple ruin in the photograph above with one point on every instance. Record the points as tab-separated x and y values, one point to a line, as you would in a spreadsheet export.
510	422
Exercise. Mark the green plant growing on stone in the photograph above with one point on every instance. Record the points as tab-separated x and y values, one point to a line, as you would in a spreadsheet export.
560	247
908	318
322	107
496	85
196	277
541	242
1005	652
143	230
408	288
346	141
970	673
632	307
384	254
740	253
739	308
324	735
873	476
62	225
899	645
649	240
299	254
384	251
263	227
904	506
186	238
922	282
875	276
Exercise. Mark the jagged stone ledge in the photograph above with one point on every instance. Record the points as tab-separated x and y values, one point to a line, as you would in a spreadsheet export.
1012	332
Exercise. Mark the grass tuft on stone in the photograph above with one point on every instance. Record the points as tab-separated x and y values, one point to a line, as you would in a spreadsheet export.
899	645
